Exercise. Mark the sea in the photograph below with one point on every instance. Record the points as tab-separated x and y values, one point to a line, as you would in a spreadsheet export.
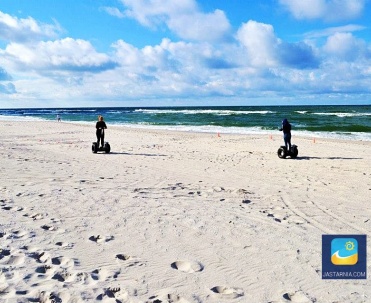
352	122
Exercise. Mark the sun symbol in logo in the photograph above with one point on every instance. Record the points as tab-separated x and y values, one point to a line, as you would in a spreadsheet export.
349	245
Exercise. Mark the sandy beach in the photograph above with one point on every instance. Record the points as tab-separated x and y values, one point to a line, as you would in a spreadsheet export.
174	216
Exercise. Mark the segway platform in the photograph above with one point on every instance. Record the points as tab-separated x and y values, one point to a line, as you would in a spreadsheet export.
106	148
283	152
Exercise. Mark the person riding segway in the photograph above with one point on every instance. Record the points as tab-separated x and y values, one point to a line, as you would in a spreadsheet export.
100	145
287	149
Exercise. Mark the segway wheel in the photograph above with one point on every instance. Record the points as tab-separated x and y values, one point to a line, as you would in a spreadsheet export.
282	152
94	147
294	152
107	147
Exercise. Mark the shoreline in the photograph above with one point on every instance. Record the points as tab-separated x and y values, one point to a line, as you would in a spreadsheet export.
364	137
175	216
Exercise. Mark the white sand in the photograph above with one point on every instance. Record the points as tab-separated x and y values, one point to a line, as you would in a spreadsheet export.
175	217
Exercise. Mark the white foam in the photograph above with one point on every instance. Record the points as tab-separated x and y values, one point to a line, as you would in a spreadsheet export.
19	118
202	111
342	115
357	136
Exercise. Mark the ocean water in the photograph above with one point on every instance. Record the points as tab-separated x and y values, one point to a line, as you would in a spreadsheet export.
341	122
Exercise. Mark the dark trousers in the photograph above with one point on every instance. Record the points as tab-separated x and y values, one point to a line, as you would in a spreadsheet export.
287	139
100	137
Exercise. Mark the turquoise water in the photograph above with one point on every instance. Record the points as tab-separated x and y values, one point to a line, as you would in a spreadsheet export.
348	122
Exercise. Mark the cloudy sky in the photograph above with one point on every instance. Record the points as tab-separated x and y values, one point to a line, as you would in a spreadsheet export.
184	52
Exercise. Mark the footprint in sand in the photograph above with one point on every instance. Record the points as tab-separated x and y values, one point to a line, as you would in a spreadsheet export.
227	292
116	293
45	269
123	257
16	208
49	227
105	274
64	244
101	239
64	275
298	297
187	266
63	261
83	278
46	297
15	260
9	275
41	257
36	216
4	253
21	234
100	274
169	298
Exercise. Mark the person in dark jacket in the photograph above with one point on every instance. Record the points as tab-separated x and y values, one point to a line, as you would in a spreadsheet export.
286	128
100	126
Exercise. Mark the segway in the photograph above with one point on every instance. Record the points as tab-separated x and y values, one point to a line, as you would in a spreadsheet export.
105	148
283	152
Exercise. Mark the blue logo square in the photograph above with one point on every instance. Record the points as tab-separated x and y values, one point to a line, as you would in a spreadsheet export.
344	257
344	251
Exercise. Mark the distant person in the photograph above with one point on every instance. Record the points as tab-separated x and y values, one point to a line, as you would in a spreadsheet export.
286	128
100	126
58	118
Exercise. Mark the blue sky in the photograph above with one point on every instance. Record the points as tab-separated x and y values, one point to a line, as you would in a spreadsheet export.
184	52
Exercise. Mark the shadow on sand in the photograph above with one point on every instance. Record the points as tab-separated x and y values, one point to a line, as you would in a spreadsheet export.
134	154
327	158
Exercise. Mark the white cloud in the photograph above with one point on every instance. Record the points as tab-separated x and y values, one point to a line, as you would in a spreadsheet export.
25	30
264	49
114	11
127	54
260	43
183	17
261	64
200	26
256	63
158	61
151	12
329	10
304	9
333	30
170	69
344	46
66	54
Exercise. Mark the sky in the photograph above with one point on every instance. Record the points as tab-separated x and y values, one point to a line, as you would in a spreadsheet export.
91	53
